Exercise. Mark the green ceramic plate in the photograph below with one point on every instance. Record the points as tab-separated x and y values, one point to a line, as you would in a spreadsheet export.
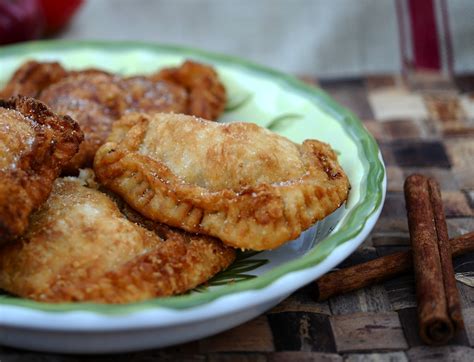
256	94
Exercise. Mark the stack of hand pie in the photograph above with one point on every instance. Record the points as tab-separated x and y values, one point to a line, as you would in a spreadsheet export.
170	195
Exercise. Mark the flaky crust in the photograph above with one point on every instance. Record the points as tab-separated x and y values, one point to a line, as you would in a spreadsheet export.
81	247
191	88
241	183
31	78
207	96
95	100
33	162
150	96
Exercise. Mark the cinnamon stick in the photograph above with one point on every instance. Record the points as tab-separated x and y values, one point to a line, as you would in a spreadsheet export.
430	256
452	293
378	270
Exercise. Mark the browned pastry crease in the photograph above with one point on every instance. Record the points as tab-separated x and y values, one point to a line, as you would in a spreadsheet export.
239	182
35	144
81	247
206	94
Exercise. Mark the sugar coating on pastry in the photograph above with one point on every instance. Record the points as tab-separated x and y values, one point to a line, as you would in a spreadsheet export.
35	146
82	246
95	98
239	182
239	155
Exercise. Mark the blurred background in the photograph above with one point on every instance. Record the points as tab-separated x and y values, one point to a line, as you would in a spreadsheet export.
336	38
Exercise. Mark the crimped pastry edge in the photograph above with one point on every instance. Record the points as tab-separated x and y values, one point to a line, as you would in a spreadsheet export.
259	217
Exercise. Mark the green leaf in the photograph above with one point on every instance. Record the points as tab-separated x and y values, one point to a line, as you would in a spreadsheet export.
224	281
236	272
466	278
281	121
200	288
233	105
244	266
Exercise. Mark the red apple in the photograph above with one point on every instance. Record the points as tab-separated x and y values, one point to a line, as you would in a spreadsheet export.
58	13
20	20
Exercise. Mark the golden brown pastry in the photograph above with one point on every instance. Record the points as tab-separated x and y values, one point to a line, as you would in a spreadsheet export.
35	144
144	95
207	96
192	88
94	100
31	78
81	247
251	188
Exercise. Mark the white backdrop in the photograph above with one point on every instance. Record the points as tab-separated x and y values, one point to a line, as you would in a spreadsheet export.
321	37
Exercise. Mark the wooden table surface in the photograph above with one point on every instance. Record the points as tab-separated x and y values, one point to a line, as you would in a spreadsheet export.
423	123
